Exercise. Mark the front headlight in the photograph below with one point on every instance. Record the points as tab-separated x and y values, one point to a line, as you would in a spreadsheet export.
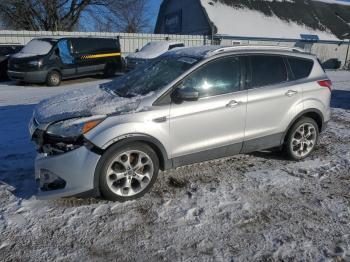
36	63
74	127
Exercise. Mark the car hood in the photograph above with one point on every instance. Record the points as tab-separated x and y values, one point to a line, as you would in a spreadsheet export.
89	101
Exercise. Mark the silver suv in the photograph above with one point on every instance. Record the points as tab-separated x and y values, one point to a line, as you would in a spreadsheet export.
189	105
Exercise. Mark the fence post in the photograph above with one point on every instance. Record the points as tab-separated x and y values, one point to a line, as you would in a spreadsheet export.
347	53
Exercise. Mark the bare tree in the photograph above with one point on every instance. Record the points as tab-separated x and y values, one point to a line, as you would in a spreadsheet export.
50	15
130	16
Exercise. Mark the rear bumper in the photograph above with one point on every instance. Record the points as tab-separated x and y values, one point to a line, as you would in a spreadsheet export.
29	77
76	168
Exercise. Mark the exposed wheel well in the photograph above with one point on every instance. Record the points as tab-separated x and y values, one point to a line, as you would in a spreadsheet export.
311	114
55	70
158	152
315	116
161	154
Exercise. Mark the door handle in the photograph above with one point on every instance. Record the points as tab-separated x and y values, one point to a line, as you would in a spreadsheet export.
291	93
160	119
233	103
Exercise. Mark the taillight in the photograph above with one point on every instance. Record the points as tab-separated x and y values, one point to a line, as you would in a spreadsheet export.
326	83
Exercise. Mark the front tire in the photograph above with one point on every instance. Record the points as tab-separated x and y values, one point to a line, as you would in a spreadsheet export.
53	78
301	138
127	172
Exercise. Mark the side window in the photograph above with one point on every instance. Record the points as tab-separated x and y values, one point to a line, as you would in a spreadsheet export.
301	67
94	45
267	70
64	52
218	77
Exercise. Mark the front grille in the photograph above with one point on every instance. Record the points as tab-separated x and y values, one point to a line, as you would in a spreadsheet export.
17	66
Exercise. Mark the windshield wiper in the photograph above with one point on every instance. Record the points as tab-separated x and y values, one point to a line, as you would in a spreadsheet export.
117	93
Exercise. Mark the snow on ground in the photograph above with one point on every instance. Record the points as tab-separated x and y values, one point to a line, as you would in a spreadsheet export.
258	206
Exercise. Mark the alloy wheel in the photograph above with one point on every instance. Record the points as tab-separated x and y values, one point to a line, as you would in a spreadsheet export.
129	173
303	139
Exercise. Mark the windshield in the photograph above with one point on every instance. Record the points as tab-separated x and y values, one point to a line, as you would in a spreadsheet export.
37	47
155	47
152	76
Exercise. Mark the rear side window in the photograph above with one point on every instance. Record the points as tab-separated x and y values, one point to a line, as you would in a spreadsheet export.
267	70
94	45
301	67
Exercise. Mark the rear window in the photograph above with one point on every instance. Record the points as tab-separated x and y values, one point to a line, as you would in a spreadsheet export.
267	70
301	67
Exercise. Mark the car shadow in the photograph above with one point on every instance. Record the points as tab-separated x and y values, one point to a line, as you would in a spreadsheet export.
17	152
70	81
269	154
340	99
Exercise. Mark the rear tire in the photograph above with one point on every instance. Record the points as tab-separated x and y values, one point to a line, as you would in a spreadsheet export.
301	139
53	78
127	172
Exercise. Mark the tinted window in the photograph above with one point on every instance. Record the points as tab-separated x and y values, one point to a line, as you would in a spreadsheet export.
6	50
267	70
94	45
216	78
300	67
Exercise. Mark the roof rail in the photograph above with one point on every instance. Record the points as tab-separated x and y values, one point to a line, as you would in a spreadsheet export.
257	47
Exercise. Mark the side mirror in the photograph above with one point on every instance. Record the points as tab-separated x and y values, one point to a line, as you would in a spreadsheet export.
137	50
186	94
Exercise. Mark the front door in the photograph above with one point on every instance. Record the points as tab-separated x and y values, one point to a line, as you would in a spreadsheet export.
213	126
68	65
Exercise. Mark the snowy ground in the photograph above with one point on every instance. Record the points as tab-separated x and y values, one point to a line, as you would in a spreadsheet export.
248	207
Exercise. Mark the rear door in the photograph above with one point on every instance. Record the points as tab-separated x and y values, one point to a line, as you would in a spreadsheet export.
217	119
273	101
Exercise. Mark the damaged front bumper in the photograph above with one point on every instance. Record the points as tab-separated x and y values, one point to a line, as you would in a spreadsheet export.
68	174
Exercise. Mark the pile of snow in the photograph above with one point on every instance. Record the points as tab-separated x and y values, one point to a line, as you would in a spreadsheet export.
84	102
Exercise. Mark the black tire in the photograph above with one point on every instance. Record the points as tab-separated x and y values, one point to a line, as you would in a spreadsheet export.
53	78
108	158
110	70
288	146
20	83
